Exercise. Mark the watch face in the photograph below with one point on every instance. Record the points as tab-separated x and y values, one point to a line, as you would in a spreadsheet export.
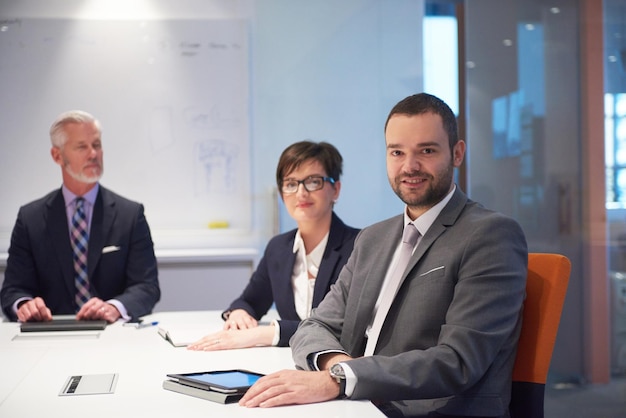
337	371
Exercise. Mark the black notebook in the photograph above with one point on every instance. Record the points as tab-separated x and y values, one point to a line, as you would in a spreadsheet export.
63	325
209	395
223	386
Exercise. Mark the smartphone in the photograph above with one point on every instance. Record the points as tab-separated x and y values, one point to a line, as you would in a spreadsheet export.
223	381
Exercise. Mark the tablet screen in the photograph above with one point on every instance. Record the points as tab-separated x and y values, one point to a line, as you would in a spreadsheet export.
227	379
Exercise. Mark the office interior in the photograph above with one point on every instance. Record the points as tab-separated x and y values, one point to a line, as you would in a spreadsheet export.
539	87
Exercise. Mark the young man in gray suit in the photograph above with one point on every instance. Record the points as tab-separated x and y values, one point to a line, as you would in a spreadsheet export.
97	262
447	343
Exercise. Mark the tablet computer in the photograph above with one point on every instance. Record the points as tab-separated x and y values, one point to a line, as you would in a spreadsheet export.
223	381
63	325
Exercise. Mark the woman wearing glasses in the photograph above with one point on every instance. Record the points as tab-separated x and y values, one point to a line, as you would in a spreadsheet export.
298	266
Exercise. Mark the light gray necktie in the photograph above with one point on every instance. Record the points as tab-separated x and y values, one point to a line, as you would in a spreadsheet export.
409	238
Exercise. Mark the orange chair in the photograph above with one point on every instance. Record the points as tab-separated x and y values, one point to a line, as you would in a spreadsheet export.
548	276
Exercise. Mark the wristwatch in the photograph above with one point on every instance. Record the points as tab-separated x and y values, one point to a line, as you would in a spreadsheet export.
337	373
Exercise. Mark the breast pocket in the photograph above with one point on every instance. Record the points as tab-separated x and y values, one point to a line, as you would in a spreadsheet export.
433	273
111	249
433	289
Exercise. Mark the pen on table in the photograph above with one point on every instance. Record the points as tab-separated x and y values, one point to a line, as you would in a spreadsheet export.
147	324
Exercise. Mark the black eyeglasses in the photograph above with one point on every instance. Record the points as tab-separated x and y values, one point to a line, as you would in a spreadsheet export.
311	184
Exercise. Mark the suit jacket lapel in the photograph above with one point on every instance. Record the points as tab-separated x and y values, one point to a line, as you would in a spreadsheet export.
323	276
329	260
283	290
446	218
59	236
373	283
101	221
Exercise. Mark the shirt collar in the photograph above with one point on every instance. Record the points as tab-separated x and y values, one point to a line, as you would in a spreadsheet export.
90	196
425	220
297	242
317	252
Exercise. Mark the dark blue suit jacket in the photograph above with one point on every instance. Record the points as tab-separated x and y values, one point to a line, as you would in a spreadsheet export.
40	256
271	282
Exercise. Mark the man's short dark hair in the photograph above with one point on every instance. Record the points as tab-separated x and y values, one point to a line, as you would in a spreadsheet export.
421	103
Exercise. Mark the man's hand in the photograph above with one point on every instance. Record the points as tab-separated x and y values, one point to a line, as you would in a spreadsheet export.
289	387
34	310
96	308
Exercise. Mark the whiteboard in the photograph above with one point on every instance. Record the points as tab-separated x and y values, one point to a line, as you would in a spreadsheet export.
173	100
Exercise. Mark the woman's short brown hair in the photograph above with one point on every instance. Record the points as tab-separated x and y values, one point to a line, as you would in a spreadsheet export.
295	154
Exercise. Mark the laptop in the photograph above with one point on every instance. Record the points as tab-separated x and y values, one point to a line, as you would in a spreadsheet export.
63	325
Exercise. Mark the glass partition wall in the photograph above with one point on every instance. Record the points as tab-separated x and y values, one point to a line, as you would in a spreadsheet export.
528	152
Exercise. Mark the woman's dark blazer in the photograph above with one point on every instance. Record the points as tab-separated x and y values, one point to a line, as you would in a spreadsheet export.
271	282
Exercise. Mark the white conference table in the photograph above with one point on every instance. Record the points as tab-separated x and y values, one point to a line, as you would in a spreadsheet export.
35	366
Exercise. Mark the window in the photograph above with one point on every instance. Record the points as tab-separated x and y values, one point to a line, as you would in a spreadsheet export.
615	149
440	44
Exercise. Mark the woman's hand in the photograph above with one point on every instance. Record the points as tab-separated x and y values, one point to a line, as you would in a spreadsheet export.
235	338
240	319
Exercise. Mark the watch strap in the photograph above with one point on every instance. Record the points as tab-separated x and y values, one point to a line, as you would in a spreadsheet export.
342	388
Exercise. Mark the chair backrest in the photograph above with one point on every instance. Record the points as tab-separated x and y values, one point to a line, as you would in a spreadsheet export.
548	276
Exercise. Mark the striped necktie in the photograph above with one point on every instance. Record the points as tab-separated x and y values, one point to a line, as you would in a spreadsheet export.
80	237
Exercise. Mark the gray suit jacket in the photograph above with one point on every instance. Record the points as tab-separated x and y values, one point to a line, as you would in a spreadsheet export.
449	341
